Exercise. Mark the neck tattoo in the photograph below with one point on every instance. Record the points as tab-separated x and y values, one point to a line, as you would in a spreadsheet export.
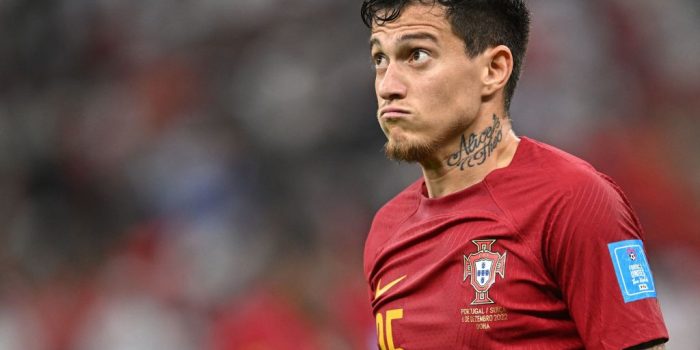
474	150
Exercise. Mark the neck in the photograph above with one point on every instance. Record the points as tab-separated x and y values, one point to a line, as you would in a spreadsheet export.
488	144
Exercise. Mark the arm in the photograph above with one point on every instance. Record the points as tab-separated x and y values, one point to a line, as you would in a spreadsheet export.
594	236
649	346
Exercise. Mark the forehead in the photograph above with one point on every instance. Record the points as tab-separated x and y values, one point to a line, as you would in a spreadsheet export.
414	17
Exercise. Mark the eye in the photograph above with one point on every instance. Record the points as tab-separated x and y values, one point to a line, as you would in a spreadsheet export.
379	61
419	56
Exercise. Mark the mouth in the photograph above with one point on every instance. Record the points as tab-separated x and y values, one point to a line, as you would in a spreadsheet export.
393	113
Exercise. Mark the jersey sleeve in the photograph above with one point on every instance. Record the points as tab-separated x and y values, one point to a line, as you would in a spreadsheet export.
594	249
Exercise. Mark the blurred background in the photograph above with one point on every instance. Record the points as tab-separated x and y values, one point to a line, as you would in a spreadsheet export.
202	174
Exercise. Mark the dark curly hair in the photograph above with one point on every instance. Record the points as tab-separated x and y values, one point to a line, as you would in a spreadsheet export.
479	23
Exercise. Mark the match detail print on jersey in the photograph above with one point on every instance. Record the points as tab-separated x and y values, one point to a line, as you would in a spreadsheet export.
632	270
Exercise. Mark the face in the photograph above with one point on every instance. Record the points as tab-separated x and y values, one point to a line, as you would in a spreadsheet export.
428	89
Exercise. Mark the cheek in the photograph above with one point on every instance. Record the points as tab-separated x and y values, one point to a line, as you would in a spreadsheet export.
449	94
376	94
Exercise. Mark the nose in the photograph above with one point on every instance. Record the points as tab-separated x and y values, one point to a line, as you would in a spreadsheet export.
390	85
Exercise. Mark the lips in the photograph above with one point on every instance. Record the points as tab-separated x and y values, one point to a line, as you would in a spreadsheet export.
393	113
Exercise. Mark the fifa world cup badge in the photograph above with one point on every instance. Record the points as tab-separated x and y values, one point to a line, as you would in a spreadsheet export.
632	270
482	267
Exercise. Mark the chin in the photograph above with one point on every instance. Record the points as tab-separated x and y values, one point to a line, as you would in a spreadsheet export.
410	152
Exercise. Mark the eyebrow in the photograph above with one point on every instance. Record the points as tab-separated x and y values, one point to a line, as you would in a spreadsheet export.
406	37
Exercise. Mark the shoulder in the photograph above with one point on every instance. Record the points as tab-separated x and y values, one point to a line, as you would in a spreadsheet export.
550	171
581	199
574	177
397	209
567	169
545	185
390	216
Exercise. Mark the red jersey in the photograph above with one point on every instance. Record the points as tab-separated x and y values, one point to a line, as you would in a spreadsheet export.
543	254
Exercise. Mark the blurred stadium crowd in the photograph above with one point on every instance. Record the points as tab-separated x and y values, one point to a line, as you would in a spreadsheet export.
202	174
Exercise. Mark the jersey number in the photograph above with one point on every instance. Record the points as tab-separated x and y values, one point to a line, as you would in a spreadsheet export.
382	325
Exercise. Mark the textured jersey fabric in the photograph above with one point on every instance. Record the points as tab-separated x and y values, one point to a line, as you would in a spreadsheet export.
517	261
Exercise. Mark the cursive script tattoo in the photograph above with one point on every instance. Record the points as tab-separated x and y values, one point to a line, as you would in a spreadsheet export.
474	150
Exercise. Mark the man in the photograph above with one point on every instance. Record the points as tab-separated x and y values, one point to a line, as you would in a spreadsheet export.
505	242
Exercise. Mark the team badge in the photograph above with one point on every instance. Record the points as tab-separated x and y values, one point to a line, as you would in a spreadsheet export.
632	270
482	267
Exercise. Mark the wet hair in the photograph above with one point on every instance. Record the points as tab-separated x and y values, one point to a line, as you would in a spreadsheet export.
481	24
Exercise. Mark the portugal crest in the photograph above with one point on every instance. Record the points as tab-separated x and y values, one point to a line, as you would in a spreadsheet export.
482	267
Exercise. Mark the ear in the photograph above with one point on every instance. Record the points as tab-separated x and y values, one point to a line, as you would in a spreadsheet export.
498	68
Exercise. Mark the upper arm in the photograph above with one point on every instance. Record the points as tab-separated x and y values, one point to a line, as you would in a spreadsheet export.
658	347
652	345
585	246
